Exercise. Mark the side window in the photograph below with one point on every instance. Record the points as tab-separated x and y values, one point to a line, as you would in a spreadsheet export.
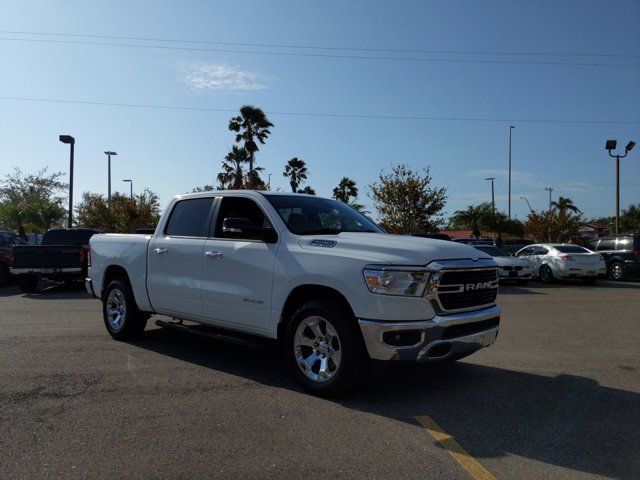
189	218
624	243
526	251
605	245
591	245
240	207
541	251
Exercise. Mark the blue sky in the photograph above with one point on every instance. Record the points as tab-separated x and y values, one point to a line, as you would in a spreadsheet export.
171	151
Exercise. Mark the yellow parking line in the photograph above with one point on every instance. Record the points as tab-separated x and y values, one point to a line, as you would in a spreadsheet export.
460	455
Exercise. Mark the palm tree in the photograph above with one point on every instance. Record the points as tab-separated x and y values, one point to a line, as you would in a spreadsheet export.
252	127
308	190
563	204
473	218
233	175
345	190
297	172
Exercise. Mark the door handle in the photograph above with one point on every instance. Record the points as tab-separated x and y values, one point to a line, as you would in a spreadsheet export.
215	255
160	251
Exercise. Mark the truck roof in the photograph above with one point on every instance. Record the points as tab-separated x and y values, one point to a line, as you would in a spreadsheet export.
253	193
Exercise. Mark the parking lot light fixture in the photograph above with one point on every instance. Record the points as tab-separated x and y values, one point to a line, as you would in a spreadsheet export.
527	200
130	182
68	139
109	153
609	146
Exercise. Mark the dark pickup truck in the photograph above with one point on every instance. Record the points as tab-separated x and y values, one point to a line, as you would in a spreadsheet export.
63	255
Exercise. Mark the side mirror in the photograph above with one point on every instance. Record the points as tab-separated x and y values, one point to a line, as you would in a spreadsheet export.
244	228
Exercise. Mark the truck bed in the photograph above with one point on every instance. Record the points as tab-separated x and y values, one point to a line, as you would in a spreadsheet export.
48	256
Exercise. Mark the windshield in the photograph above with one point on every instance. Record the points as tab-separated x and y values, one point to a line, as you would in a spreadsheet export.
571	249
493	251
306	215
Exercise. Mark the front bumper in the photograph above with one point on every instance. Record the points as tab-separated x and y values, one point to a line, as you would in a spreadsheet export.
445	336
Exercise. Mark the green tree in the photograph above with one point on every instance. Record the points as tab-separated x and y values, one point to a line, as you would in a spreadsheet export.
123	215
233	175
630	219
473	218
296	171
554	225
345	190
308	190
32	201
565	204
252	127
406	202
204	188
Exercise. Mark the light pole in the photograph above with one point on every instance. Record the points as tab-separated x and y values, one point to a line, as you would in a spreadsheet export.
611	145
71	141
527	200
493	195
511	127
130	186
108	153
269	182
549	189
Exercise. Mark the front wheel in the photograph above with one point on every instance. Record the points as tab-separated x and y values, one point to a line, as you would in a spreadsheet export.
546	275
325	350
121	315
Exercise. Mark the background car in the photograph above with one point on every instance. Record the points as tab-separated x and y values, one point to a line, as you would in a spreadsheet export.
549	261
7	241
509	268
474	241
621	254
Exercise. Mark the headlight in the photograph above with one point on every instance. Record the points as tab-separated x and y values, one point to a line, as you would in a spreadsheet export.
410	283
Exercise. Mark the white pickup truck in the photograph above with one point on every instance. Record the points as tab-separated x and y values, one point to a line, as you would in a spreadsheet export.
313	273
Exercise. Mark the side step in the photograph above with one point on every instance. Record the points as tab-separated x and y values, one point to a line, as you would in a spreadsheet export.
214	333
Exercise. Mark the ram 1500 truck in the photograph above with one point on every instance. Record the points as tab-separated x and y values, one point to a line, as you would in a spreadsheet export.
313	273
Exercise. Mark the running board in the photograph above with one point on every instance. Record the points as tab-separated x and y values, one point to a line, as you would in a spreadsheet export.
213	333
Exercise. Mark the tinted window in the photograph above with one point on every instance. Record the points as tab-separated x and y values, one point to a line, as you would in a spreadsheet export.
189	218
240	207
625	243
571	249
526	251
592	245
607	244
306	215
67	237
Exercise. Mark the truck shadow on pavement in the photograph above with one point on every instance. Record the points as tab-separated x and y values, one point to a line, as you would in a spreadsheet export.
564	420
49	291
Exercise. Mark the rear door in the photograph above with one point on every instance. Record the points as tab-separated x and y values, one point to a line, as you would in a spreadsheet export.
237	274
174	275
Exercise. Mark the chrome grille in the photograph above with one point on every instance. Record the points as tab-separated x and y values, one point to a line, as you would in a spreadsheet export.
466	289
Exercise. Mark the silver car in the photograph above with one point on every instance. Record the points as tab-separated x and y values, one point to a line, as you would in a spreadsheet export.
509	268
549	261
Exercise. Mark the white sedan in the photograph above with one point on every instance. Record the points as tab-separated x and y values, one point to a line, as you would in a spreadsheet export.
509	268
553	260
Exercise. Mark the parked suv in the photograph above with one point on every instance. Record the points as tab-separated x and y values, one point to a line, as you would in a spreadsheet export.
621	253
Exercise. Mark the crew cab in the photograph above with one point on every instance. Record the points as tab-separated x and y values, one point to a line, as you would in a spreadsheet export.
312	273
62	256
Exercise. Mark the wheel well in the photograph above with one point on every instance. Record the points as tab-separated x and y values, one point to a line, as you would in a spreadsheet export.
112	272
303	293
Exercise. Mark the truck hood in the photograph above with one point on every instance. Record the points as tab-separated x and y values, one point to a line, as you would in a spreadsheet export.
391	249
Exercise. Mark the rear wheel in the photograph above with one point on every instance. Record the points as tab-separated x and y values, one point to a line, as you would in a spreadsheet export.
28	283
121	315
546	275
616	271
325	350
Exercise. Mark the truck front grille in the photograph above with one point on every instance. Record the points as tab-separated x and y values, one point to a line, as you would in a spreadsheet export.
467	288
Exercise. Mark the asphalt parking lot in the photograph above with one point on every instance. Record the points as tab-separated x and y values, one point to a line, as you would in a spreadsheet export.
558	396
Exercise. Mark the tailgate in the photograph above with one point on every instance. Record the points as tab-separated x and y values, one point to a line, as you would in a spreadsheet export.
48	256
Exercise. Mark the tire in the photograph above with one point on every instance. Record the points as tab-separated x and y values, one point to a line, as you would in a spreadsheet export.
616	271
324	349
546	274
28	283
122	318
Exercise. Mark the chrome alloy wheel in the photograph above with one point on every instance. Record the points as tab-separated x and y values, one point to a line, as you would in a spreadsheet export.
317	349
617	271
116	309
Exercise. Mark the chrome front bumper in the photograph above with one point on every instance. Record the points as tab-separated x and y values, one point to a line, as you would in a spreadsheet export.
476	330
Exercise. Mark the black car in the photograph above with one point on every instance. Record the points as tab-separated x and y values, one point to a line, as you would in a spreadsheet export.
621	253
7	241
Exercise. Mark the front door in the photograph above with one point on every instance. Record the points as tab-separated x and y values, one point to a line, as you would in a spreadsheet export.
237	274
175	258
